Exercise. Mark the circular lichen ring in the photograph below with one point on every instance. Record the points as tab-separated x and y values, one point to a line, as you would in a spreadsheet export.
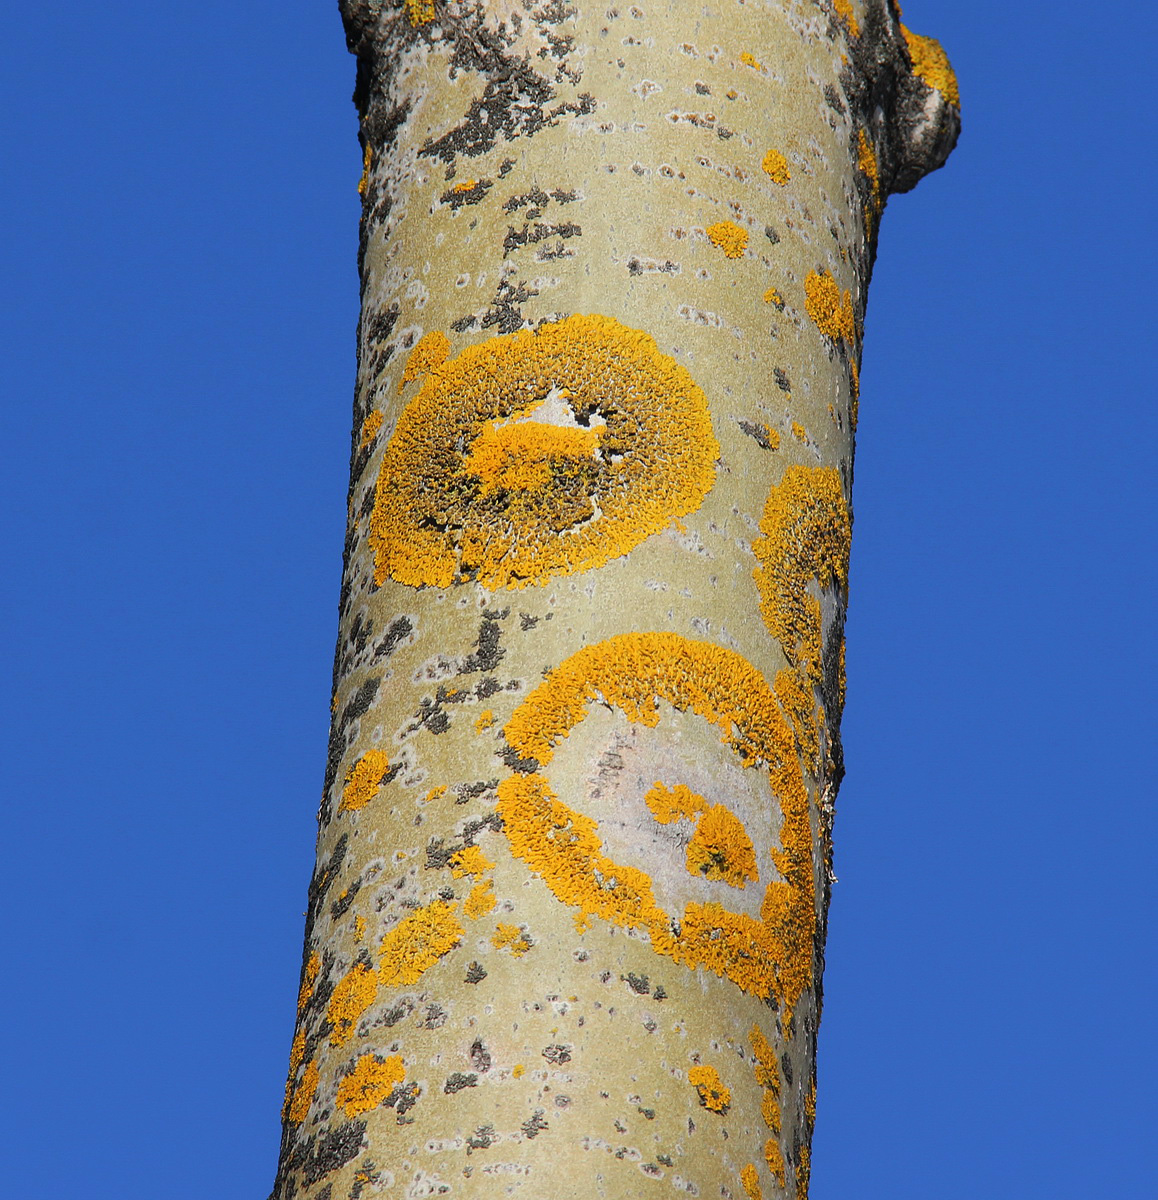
533	455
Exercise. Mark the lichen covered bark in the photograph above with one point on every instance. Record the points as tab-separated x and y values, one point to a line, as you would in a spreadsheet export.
565	935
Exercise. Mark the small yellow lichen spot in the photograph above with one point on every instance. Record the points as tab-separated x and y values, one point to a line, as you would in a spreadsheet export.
931	64
352	997
810	1104
470	860
713	1094
512	938
750	60
471	488
729	237
767	1066
367	159
363	781
775	166
419	11
845	12
773	297
803	1173
481	900
431	350
750	1181
831	313
668	806
774	1157
304	1093
309	978
371	1081
799	432
518	1071
434	794
485	720
467	185
359	928
370	427
417	942
297	1052
721	849
867	161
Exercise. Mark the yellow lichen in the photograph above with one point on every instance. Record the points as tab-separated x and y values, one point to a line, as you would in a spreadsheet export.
773	297
431	350
467	185
774	1157
632	672
629	446
803	1173
309	978
363	781
799	432
830	312
712	1092
419	11
353	995
370	427
434	794
484	721
867	161
417	942
750	1181
931	64
371	1081
670	805
518	1071
481	900
794	689
303	1094
721	849
750	60
768	1077
810	1105
359	928
512	938
367	160
729	237
470	860
844	11
775	166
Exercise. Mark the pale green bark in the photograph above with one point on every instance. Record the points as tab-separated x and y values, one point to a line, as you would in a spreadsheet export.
614	139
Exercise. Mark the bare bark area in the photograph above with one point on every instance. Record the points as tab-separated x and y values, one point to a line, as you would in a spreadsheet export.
565	936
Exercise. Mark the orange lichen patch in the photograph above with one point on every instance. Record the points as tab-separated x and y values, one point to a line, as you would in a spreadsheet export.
518	1070
367	160
512	938
931	64
803	1173
431	350
750	1181
467	185
767	1066
296	1058
417	942
370	427
794	690
712	1092
670	805
844	11
352	997
434	794
770	1111
799	432
470	860
522	459
810	1105
470	489
775	166
363	781
369	1083
773	297
807	532
632	672
774	1157
729	237
866	159
830	312
481	900
419	11
359	928
721	849
484	721
309	978
750	60
303	1095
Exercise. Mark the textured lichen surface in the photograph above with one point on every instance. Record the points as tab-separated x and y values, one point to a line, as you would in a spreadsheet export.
565	930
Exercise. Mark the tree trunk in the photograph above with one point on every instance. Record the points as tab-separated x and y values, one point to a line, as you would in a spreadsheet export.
565	936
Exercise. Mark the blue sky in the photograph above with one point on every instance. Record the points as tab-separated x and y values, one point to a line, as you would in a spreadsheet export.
180	226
